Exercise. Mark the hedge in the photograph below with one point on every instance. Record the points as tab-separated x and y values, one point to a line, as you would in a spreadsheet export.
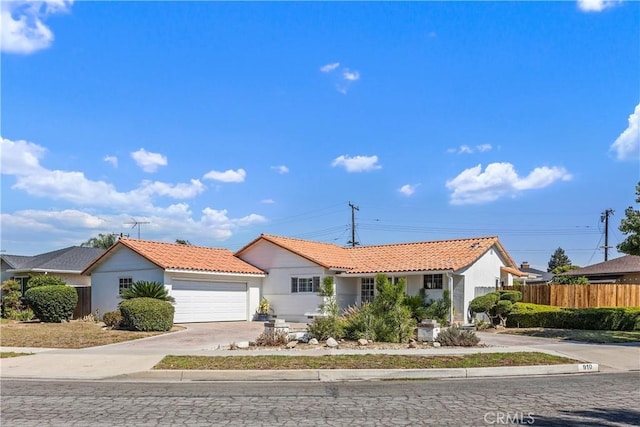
526	315
52	304
147	314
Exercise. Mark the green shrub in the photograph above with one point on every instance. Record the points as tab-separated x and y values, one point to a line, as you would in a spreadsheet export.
360	322
455	336
439	309
416	305
525	315
495	305
52	304
112	319
144	289
22	315
45	280
325	327
147	314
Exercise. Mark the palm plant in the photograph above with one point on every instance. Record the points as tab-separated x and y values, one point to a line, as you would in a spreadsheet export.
144	289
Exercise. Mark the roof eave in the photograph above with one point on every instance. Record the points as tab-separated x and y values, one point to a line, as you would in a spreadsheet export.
215	273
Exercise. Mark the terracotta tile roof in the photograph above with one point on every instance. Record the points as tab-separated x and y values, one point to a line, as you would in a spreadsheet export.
621	265
513	271
326	255
173	256
419	256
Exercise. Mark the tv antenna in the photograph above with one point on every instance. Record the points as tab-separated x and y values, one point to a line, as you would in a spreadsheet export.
135	223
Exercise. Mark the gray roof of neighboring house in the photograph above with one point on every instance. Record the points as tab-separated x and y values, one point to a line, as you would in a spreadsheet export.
74	258
544	276
623	265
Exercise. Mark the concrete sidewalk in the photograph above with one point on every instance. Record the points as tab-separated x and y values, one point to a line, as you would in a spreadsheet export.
134	360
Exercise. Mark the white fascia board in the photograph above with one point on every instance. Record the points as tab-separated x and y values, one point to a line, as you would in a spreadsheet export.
394	273
43	270
215	273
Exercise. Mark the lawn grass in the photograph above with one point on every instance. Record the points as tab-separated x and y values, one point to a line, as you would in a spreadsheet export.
595	337
359	361
74	334
6	354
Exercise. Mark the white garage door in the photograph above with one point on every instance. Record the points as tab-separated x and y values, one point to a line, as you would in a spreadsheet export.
209	301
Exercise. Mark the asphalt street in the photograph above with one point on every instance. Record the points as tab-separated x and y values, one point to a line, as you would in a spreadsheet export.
602	399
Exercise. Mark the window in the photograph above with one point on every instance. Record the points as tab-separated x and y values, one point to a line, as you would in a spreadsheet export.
124	284
432	281
305	284
367	289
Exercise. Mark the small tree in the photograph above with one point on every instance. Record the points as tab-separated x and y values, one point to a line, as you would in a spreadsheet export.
330	324
630	226
495	305
12	305
144	289
395	323
558	259
102	241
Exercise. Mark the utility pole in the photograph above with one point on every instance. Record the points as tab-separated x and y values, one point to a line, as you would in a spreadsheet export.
354	208
605	218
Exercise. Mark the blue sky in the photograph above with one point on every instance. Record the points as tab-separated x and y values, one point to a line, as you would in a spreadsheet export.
214	122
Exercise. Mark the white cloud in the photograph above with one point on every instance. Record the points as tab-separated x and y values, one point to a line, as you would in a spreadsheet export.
100	207
282	169
113	160
20	157
175	191
329	67
344	79
627	145
351	76
227	176
149	162
473	186
466	149
267	201
23	30
408	189
357	163
596	5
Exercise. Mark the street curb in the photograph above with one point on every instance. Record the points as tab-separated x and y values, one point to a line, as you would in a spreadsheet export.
333	375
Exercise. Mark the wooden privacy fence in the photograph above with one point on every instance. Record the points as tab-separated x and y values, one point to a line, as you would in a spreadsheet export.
83	308
581	296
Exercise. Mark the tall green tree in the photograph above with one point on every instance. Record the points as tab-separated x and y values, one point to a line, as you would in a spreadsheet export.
183	242
630	226
103	241
558	259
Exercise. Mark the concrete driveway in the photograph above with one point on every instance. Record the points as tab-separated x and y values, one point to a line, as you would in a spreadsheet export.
193	338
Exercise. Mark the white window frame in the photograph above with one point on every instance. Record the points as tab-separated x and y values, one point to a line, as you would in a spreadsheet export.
308	284
367	289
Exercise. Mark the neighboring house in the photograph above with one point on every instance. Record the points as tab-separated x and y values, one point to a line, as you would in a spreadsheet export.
66	263
534	276
295	267
208	284
625	269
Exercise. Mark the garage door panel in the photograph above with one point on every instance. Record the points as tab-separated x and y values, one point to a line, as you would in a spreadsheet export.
209	301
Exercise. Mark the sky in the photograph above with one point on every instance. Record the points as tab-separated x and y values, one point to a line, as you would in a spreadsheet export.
214	122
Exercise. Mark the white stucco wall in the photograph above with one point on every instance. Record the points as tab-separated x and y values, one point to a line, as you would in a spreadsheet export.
121	264
481	274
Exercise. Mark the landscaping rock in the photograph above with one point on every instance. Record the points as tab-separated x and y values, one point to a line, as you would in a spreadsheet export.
332	343
313	341
242	344
292	344
436	344
362	342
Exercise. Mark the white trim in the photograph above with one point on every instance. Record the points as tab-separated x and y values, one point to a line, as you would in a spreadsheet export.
214	273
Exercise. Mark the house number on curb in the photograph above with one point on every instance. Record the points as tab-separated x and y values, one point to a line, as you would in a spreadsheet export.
585	367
